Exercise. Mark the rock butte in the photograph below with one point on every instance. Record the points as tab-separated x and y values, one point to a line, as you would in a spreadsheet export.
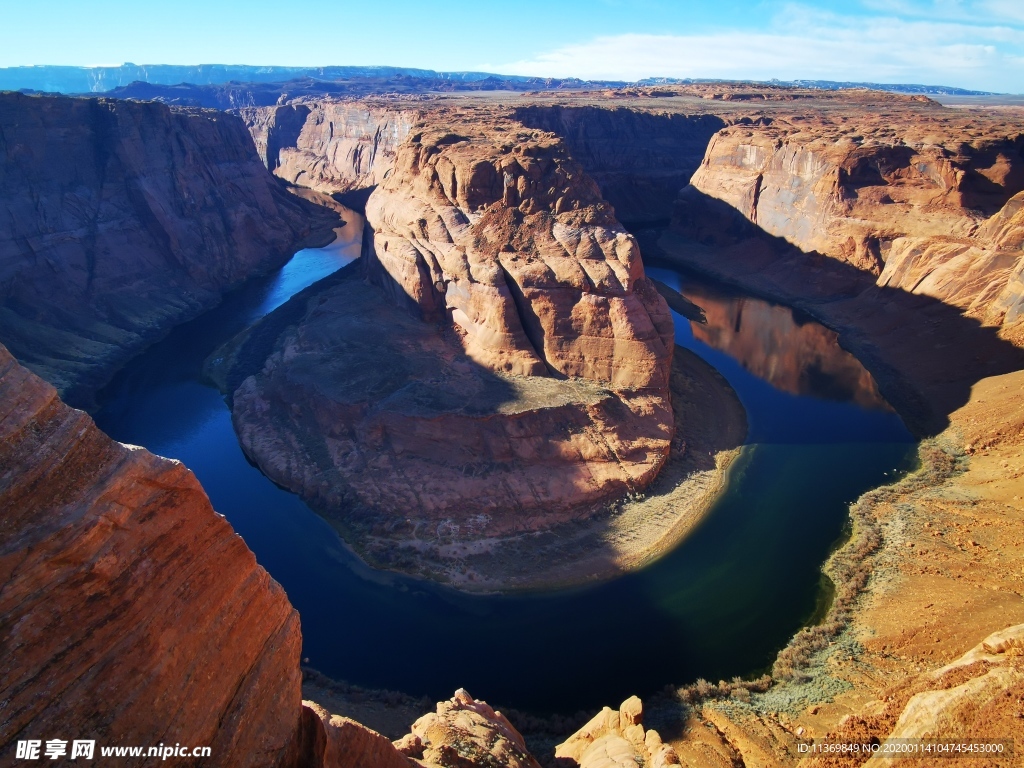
94	518
506	306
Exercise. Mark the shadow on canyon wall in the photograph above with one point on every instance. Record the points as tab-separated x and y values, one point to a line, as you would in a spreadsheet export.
925	354
639	159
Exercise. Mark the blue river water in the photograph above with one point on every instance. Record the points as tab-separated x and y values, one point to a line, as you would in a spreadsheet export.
721	604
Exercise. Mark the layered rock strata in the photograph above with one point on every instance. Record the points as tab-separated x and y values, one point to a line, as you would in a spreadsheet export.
329	146
930	206
121	219
131	613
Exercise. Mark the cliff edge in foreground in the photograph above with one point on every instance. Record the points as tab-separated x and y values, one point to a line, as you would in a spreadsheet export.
132	614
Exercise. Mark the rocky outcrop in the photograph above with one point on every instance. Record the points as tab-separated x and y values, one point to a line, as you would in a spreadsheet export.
121	219
332	741
465	731
974	697
617	739
130	612
506	307
926	204
462	733
329	146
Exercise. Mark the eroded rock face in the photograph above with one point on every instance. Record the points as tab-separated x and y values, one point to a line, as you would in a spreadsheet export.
130	612
120	219
640	159
507	366
329	146
926	205
501	234
981	274
467	732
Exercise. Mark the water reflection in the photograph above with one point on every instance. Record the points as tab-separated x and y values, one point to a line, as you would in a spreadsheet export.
779	345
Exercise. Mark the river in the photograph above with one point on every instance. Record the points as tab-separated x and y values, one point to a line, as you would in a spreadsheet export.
721	604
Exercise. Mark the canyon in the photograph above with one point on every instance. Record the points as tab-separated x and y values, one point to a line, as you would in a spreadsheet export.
507	279
122	591
507	306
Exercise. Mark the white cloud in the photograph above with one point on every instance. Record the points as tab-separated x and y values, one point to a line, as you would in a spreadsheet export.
1007	10
803	43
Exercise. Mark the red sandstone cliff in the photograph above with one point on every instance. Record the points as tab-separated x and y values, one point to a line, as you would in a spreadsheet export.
329	146
130	612
500	233
927	204
120	219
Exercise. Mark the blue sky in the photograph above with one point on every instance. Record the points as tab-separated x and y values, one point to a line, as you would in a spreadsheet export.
967	43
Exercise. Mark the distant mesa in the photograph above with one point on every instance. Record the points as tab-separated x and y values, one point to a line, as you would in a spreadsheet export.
65	79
